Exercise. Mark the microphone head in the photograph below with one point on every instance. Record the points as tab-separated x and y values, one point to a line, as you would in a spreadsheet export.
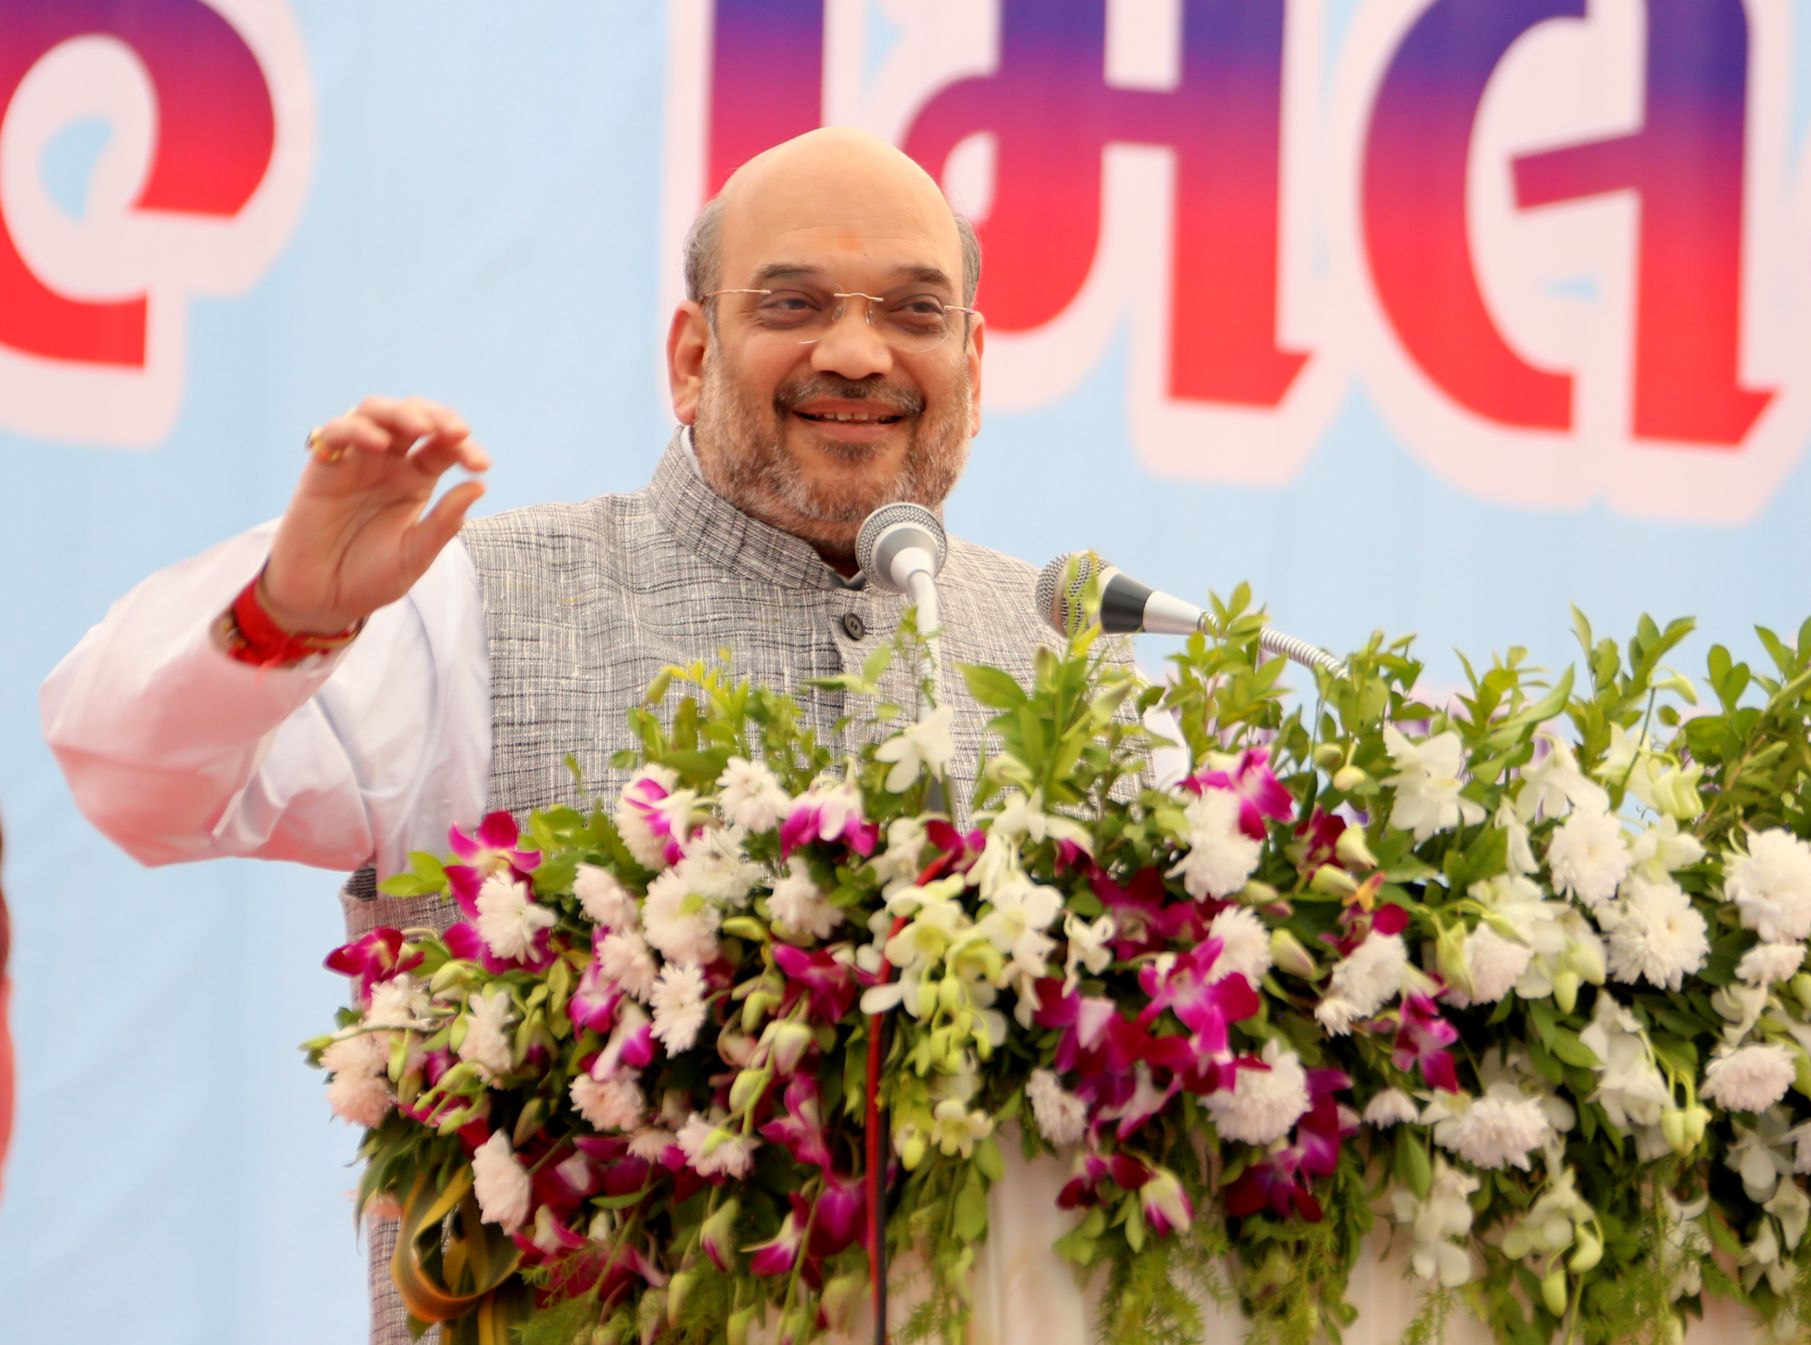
1062	586
891	529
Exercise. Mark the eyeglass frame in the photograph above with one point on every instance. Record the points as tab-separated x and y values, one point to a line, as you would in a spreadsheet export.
843	296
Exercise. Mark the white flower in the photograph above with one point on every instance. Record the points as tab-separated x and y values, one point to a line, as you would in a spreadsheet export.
1663	849
898	864
1630	1087
1749	1078
713	867
606	901
1262	1105
1244	945
508	917
487	1040
608	1104
1521	854
651	1144
1062	1117
631	815
501	1183
1771	886
1390	1107
1220	856
1427	784
1656	934
800	910
712	1149
678	1004
1554	785
399	1002
926	745
1760	1155
1363	982
1499	1129
1763	964
1090	947
1588	856
625	962
1437	1221
751	795
1023	819
680	924
359	1090
1496	964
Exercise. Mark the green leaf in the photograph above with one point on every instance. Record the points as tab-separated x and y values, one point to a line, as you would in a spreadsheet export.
992	688
971	1209
1566	1045
1411	1163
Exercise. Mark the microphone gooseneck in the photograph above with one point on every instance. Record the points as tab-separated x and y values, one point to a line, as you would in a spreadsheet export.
900	548
1128	606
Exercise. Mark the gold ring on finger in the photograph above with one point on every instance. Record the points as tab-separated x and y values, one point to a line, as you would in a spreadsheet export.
322	451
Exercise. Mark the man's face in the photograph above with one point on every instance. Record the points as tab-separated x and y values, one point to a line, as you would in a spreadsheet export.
772	426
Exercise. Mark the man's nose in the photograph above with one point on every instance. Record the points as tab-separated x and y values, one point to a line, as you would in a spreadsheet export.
852	347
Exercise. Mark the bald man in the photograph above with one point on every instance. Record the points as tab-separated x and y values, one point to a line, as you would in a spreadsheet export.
341	686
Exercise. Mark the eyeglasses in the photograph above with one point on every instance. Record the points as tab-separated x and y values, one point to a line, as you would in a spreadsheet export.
909	321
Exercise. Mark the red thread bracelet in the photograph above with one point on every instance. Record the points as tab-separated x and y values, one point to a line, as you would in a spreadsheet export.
251	635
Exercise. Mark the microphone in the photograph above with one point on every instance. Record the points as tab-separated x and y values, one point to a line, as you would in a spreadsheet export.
897	541
1128	606
900	548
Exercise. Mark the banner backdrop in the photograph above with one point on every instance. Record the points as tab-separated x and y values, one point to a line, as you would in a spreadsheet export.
1428	315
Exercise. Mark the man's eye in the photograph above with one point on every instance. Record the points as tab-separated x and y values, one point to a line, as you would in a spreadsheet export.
789	302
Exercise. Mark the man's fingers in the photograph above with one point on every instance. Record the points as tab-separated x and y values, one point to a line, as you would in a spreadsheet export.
436	454
434	529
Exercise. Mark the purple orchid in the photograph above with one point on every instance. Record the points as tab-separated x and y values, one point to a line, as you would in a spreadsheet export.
836	1220
832	814
631	1045
373	958
1280	1180
491	850
1206	1008
646	797
826	984
465	943
1166	1206
1261	794
1422	1037
1145	919
800	1126
718	1233
779	1253
1096	1038
1093	1170
593	1003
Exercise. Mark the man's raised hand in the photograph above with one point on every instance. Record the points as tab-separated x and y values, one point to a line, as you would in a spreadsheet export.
358	532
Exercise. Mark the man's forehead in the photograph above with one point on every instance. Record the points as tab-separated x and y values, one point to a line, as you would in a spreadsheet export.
837	201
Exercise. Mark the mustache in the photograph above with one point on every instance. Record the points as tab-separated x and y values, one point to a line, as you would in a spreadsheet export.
884	396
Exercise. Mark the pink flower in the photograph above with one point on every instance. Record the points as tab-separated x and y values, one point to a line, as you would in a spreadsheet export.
1422	1038
777	1255
832	814
1261	794
372	958
1280	1180
1166	1206
836	1220
800	1126
1206	1007
1094	1170
593	1003
491	850
1145	920
817	976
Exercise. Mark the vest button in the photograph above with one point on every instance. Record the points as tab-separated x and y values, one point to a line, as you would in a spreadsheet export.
853	626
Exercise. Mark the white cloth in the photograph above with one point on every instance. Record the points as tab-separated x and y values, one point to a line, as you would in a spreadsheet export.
177	752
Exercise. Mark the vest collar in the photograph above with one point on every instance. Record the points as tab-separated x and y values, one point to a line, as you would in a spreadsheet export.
714	529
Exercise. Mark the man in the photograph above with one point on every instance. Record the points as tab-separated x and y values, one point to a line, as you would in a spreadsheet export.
377	680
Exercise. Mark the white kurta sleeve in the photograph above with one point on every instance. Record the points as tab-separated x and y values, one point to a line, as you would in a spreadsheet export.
177	752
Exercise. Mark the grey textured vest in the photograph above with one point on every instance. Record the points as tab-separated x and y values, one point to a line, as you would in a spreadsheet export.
585	603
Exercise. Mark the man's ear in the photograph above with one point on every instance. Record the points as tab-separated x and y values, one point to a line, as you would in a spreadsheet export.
973	356
688	341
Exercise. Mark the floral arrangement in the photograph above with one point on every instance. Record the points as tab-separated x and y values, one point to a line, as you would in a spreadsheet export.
1519	979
